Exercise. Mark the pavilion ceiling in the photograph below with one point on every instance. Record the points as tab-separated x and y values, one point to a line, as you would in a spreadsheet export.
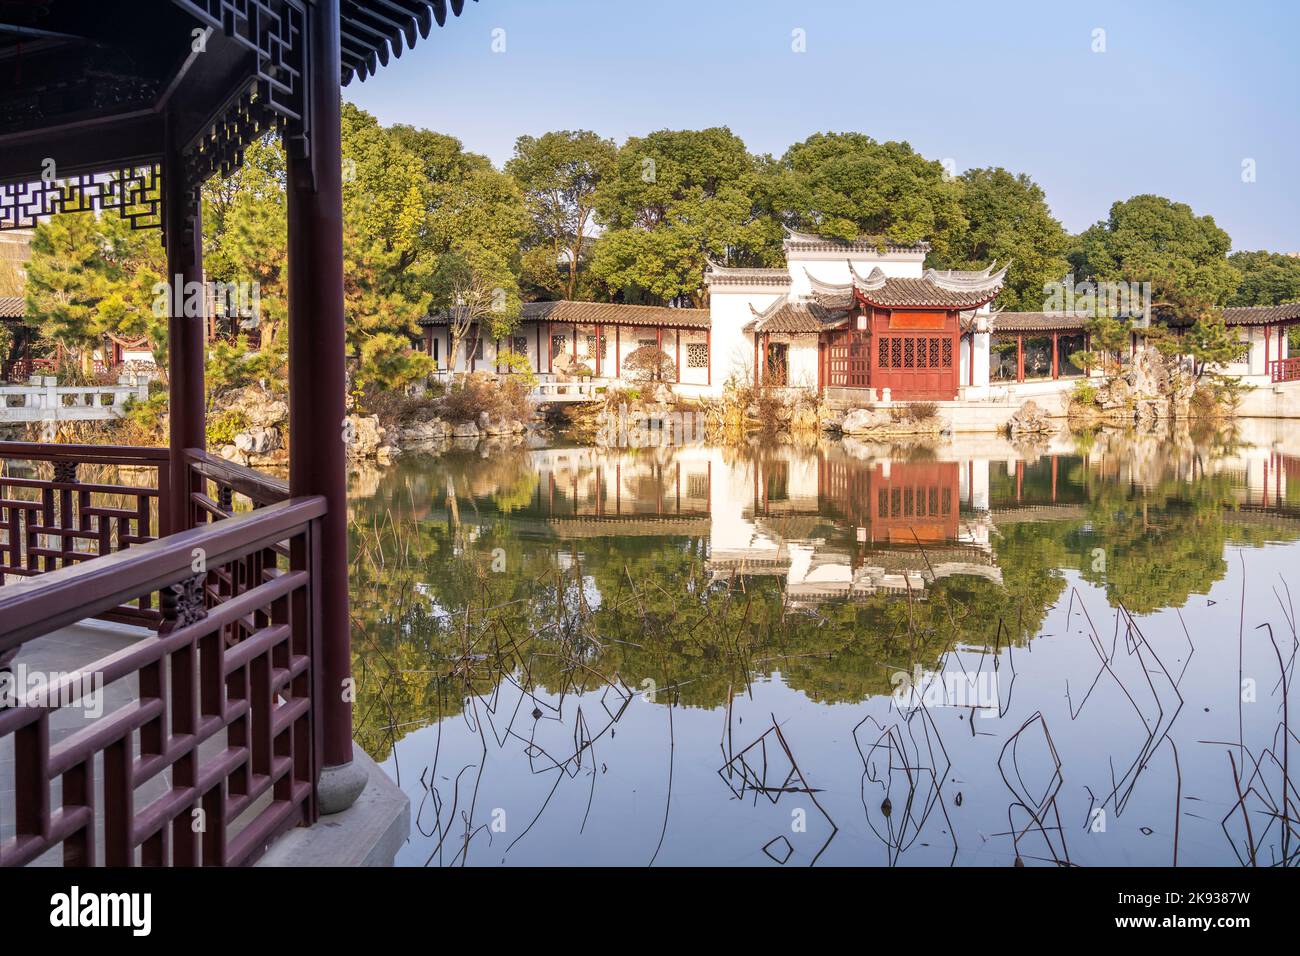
85	86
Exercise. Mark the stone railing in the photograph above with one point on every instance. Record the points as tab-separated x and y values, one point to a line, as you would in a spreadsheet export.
47	402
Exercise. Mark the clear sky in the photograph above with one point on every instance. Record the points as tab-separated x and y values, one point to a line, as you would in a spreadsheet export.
1181	96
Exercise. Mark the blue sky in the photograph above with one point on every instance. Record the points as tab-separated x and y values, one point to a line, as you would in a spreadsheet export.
1183	93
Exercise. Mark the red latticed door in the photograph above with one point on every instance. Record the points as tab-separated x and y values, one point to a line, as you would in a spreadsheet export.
849	364
917	501
917	365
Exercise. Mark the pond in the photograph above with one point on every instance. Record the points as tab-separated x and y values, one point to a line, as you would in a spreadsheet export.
849	654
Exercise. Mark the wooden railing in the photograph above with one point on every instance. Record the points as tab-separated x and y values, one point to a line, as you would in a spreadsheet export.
1284	370
221	720
218	746
218	481
65	504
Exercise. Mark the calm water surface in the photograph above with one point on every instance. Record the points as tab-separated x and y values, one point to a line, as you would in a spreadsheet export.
847	655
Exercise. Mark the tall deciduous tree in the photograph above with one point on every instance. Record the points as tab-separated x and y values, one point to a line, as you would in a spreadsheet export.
1267	278
475	223
848	186
675	199
1010	221
559	174
1153	239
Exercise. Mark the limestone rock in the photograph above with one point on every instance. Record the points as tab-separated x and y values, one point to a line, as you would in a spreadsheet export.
366	434
1030	419
464	430
259	406
258	440
859	421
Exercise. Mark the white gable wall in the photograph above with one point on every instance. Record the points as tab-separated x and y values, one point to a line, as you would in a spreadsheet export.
729	312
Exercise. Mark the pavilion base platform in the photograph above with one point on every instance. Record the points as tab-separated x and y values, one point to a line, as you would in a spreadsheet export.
368	833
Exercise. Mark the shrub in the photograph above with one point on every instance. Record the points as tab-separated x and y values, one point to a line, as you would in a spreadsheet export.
224	426
143	423
914	412
649	364
503	398
1085	393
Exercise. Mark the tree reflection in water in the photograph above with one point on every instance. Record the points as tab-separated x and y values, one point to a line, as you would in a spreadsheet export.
549	646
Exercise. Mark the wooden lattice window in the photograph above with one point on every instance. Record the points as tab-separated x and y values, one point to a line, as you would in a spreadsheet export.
697	355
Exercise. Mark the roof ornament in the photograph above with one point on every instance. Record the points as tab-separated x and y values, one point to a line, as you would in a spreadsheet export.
957	280
876	279
827	288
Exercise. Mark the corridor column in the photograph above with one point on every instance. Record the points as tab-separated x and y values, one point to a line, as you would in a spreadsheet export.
185	334
317	386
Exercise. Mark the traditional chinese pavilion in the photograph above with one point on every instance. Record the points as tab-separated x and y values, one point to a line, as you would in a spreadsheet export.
235	700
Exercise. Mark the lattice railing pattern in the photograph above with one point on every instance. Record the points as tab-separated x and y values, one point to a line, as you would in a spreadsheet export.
62	504
216	752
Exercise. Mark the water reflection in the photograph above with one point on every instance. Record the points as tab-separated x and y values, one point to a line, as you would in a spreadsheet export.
849	654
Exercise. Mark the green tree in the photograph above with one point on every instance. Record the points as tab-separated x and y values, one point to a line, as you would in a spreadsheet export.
677	198
559	174
92	278
387	260
847	185
1010	222
246	241
1267	278
1152	239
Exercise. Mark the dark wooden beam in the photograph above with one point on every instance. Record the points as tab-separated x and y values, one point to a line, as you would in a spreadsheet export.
96	145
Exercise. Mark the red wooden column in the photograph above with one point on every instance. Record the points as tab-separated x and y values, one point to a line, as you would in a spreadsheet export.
618	349
677	341
1056	366
317	386
185	336
1268	336
1020	357
600	347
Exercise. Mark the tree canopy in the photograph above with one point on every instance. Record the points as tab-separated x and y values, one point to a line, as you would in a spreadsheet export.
675	199
559	174
1153	239
1267	278
1009	221
91	279
847	185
